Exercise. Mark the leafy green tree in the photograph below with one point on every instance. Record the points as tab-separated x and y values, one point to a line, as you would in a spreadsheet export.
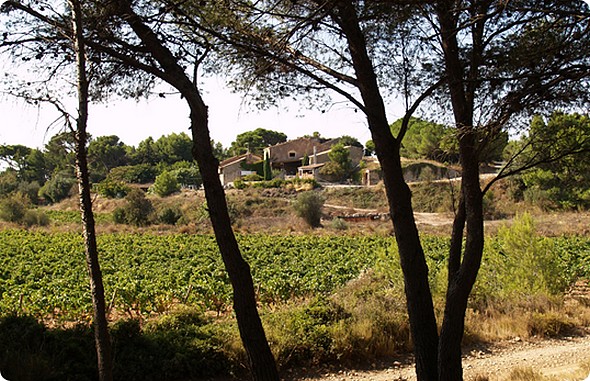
59	153
173	148
341	156
145	153
105	153
134	174
8	182
35	168
369	148
268	170
562	180
219	151
112	188
28	163
347	140
426	140
332	172
188	176
30	190
255	141
339	167
14	155
165	184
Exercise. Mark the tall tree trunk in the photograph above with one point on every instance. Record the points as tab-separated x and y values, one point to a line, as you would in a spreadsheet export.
462	278
261	360
413	262
101	333
463	266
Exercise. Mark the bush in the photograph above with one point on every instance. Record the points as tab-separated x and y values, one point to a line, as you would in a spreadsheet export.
309	207
252	177
31	190
8	182
58	188
136	211
166	184
183	345
169	215
35	218
12	209
112	188
339	224
119	216
239	184
303	334
519	263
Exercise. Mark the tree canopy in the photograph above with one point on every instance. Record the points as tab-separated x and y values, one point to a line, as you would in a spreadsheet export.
560	179
256	141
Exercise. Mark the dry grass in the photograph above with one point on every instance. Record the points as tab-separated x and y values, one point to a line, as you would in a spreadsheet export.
538	317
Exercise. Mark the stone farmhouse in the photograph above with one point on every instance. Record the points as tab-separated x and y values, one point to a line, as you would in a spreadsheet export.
287	158
236	167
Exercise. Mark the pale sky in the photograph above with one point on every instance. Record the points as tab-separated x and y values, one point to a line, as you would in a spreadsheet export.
133	121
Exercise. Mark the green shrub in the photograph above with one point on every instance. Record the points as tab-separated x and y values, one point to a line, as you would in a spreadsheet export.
183	345
165	184
519	263
58	188
239	184
169	215
303	334
274	183
12	209
339	224
119	216
112	188
31	190
252	177
308	206
35	218
137	211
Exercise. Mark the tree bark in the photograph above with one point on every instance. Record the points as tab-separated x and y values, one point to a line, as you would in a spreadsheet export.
101	332
463	268
261	360
413	262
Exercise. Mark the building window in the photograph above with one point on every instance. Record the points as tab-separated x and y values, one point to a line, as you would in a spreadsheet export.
292	154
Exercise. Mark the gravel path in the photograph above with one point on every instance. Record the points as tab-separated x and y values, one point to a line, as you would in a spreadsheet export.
557	358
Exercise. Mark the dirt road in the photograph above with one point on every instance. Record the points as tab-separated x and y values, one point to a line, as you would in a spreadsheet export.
560	359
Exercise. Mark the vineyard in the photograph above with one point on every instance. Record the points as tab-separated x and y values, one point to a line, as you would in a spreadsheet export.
43	274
